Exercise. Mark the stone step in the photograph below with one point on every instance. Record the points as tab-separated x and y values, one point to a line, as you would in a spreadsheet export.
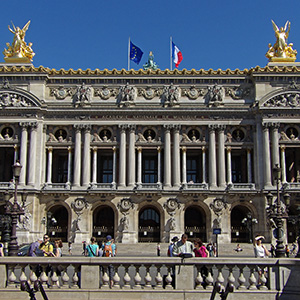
150	249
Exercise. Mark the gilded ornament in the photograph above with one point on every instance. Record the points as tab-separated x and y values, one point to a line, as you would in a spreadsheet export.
281	51
150	65
18	51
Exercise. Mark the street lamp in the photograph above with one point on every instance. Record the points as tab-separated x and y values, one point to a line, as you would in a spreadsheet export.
248	221
277	213
14	210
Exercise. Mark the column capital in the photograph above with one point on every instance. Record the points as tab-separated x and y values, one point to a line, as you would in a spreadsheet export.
77	127
86	127
69	148
176	127
95	148
24	125
114	149
50	149
123	127
282	147
220	128
131	127
168	127
212	127
275	125
139	149
228	148
183	149
266	125
158	149
203	148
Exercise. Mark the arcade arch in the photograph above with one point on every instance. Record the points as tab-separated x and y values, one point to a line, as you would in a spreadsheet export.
195	222
57	222
149	224
103	222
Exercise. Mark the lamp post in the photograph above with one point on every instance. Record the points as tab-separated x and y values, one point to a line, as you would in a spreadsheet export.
14	210
248	221
277	213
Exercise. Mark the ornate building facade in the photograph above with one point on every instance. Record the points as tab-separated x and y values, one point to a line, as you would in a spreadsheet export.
146	155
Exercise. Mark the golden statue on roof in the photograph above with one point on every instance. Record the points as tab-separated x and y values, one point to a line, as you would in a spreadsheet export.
281	51
18	51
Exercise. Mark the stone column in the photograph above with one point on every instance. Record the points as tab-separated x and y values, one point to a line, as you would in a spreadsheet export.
69	165
221	157
23	152
249	166
167	157
159	166
266	156
176	157
131	156
184	166
139	171
203	165
212	157
32	154
283	164
122	154
77	156
275	144
229	173
114	149
95	152
16	154
49	167
86	168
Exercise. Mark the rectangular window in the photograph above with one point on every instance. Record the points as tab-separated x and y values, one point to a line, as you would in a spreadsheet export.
149	167
105	168
60	166
6	162
193	168
239	166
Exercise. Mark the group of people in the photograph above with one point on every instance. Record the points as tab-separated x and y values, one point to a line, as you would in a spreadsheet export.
184	248
44	247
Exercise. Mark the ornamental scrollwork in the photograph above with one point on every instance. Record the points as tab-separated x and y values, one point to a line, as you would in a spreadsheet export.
171	205
238	93
193	93
125	205
61	92
291	99
78	205
218	205
105	93
149	93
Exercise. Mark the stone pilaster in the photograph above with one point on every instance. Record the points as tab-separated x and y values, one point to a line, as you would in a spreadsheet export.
266	155
77	156
183	149
176	156
221	157
23	152
212	157
86	170
49	167
122	156
131	156
229	172
167	157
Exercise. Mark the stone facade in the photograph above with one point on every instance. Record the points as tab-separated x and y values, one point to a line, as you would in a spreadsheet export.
146	155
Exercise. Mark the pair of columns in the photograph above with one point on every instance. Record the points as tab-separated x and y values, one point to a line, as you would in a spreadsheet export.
29	133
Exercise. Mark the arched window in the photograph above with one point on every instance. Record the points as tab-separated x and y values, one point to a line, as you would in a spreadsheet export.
149	225
195	223
57	223
103	222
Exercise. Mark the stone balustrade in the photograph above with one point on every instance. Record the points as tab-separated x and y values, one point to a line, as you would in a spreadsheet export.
151	278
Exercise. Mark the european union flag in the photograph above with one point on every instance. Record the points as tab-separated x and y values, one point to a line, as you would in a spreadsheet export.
135	53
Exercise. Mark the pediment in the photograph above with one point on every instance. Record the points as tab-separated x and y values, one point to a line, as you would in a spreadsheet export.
17	98
282	98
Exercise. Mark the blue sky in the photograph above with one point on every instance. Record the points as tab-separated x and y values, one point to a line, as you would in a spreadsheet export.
94	34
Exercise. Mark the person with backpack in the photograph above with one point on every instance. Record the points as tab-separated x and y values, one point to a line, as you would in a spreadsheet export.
92	249
109	250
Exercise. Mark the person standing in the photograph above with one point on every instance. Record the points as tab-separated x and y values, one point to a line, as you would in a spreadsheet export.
170	248
46	246
259	249
58	245
158	249
92	249
1	250
183	247
109	250
200	250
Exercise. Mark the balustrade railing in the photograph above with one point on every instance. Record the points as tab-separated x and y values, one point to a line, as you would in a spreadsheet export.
112	274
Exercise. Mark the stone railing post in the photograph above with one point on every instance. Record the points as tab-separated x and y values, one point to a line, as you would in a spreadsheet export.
183	278
90	278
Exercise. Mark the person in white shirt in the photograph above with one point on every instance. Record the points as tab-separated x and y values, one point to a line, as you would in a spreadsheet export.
183	246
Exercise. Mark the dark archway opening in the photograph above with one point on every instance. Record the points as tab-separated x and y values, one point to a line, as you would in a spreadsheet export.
103	222
149	225
57	223
195	223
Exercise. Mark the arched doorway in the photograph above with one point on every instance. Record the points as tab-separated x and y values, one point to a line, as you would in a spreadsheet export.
103	222
242	222
195	223
149	225
57	223
293	223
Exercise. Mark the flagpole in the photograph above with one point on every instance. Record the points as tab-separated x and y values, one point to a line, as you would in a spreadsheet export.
128	54
170	53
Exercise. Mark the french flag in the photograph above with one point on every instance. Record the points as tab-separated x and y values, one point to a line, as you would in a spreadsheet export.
177	55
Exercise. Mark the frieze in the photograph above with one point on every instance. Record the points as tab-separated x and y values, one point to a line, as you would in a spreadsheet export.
105	93
60	93
171	95
291	99
193	93
149	92
12	99
127	95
